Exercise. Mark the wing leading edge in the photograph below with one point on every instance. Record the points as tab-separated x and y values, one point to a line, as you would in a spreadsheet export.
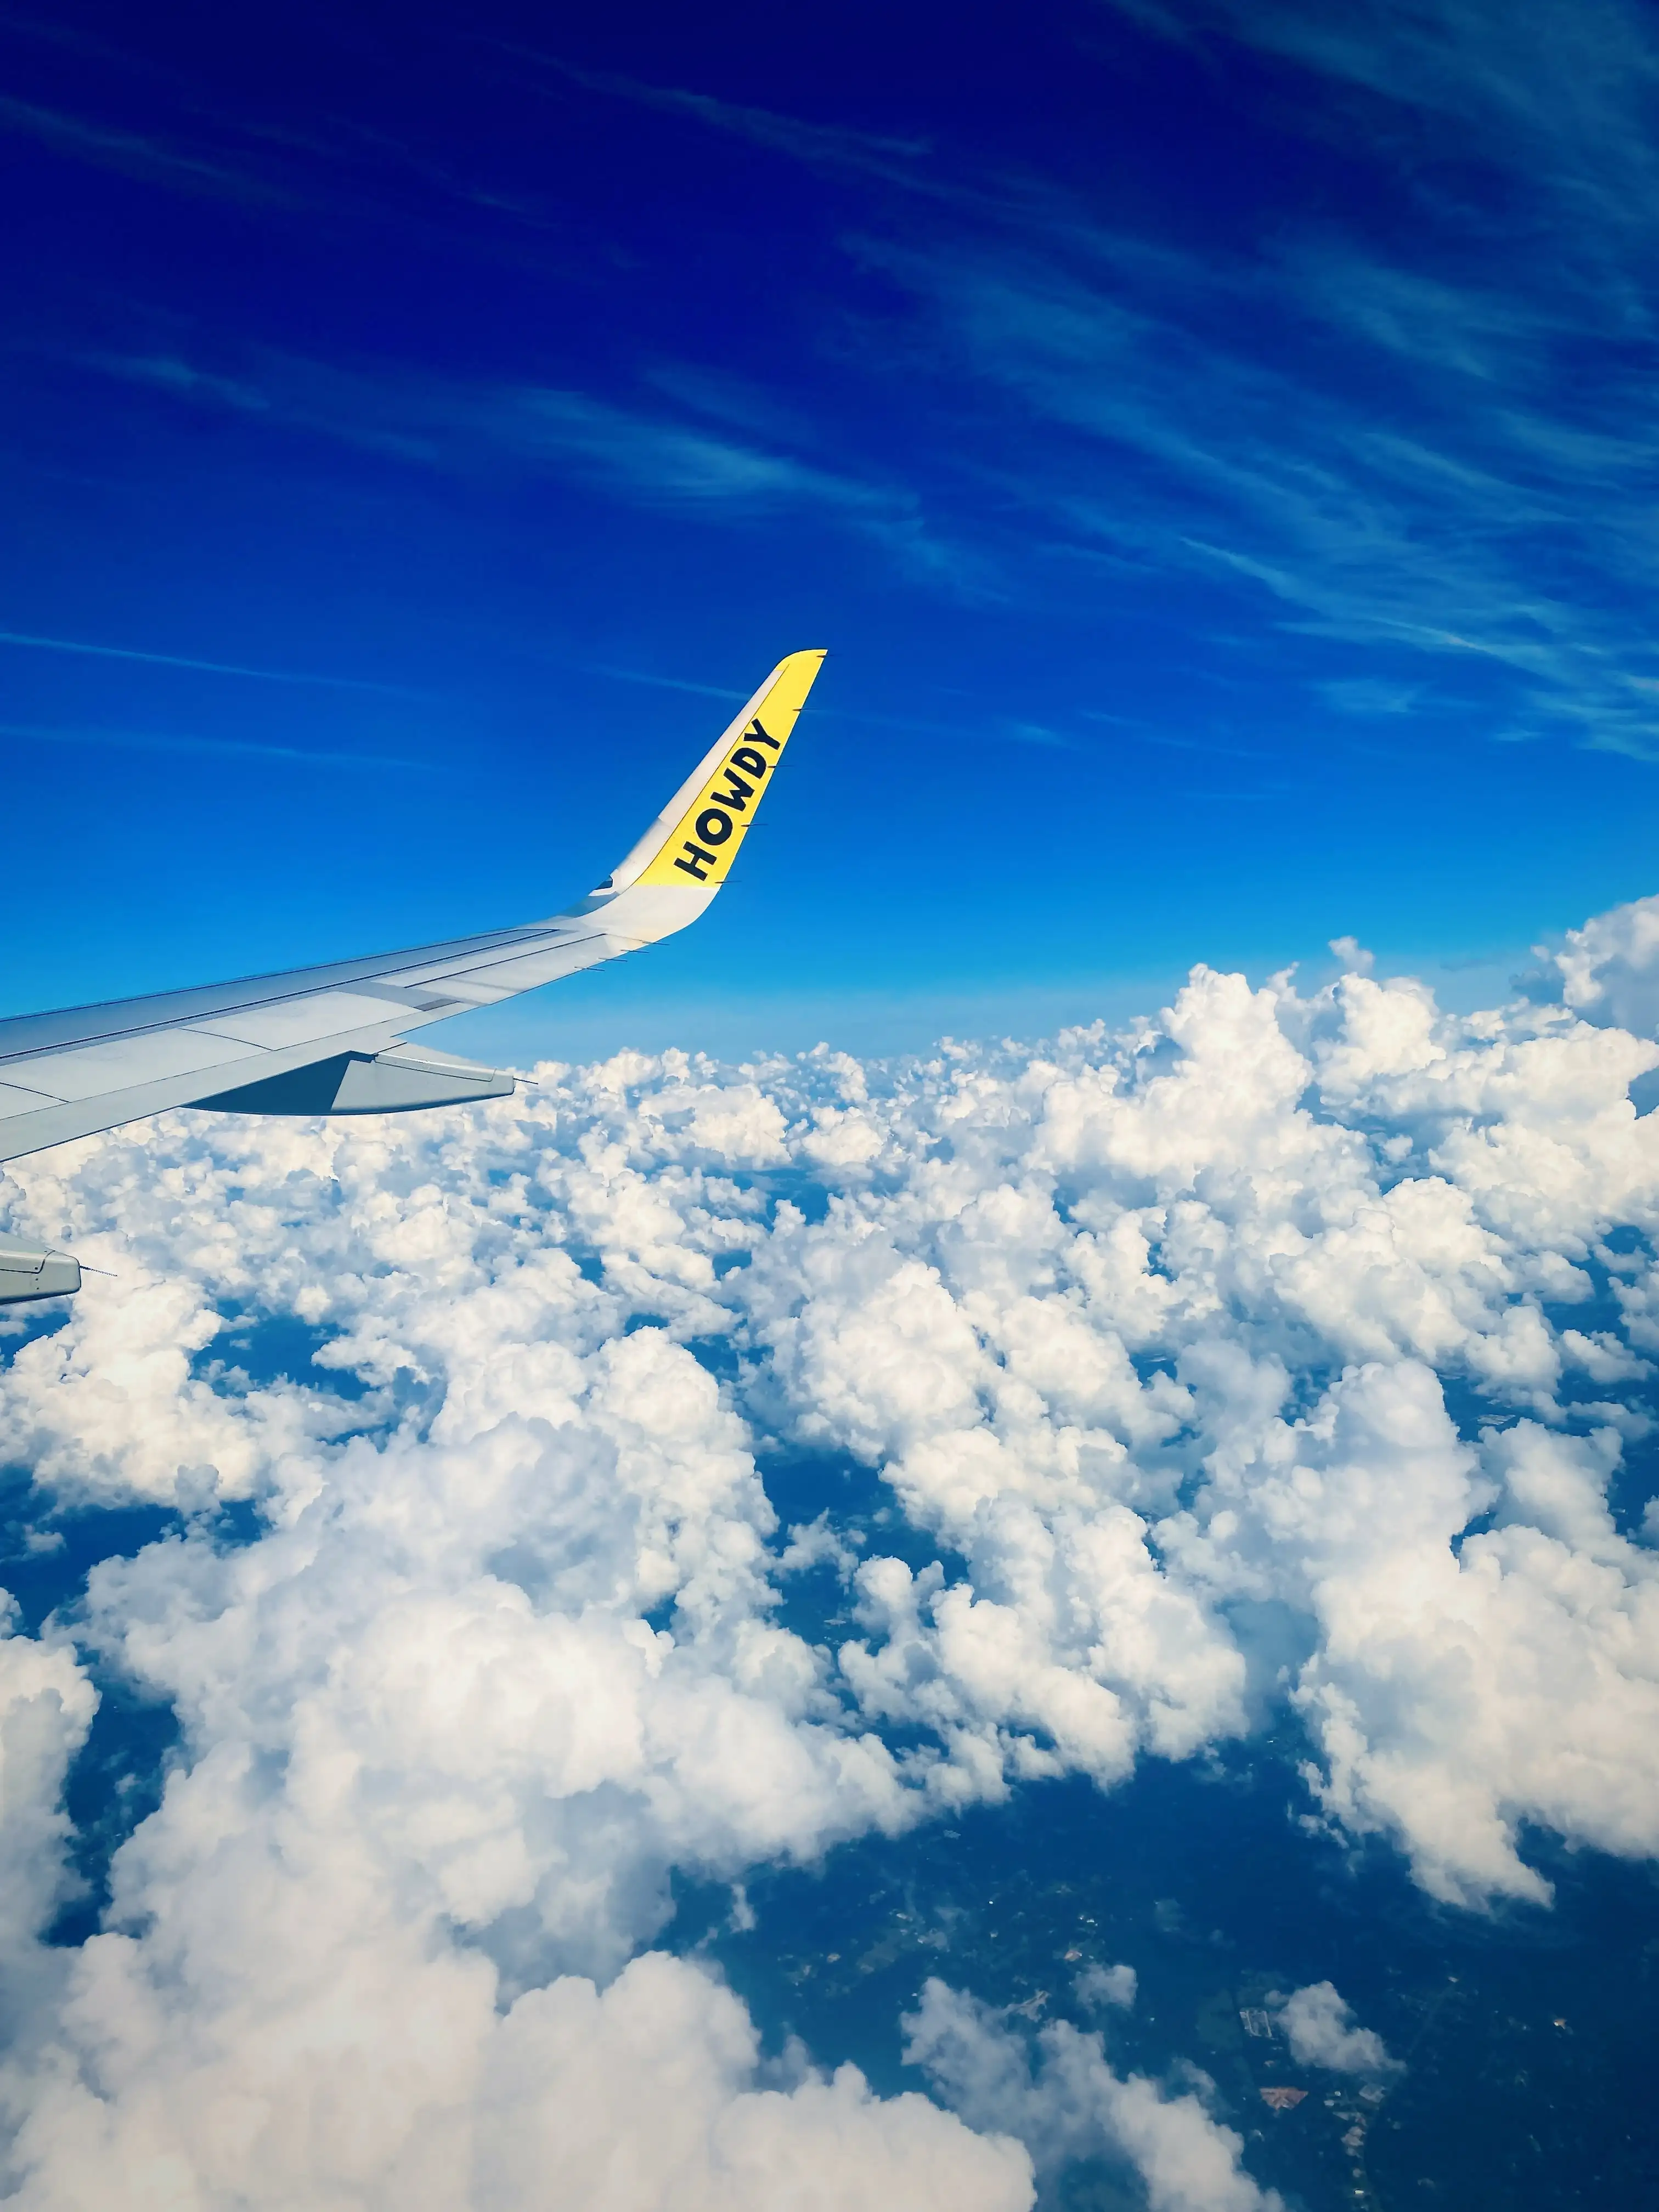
332	1039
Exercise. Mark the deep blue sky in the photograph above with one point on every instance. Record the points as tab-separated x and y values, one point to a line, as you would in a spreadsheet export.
1215	441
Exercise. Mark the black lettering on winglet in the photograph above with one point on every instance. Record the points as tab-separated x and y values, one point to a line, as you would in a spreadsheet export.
755	730
750	762
735	798
693	866
712	826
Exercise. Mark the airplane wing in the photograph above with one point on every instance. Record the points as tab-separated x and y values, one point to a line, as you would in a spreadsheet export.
332	1040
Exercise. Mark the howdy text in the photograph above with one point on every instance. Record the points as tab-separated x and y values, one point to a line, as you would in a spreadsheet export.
714	823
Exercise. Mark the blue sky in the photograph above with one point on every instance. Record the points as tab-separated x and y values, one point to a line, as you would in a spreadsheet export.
1215	442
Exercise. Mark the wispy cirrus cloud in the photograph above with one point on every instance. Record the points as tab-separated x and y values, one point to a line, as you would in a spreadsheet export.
1563	90
834	146
639	453
657	683
659	457
1415	435
85	648
163	741
146	156
1485	506
1422	429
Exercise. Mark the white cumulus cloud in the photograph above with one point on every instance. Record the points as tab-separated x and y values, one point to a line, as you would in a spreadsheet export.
1333	1311
1318	2025
1608	971
1064	2098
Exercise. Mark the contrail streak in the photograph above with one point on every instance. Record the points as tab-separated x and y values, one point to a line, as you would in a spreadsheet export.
156	741
210	667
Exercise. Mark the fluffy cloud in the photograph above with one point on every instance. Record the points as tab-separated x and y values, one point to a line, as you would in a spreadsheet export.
1318	2025
1107	1985
1327	1309
385	2077
1608	971
437	1767
1066	2101
46	1705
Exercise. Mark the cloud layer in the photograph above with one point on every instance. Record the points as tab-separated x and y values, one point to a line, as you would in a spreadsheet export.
1283	1355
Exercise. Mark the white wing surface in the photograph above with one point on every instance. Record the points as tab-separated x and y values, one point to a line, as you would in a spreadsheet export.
331	1040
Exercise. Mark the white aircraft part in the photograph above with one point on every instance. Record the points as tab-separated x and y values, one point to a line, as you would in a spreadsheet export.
94	1071
26	1273
88	1068
294	1021
395	1081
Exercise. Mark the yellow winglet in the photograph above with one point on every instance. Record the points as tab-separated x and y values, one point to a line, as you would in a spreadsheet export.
710	815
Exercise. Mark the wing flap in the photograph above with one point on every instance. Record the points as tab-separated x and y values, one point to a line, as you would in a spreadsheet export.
27	1274
395	1081
57	1122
